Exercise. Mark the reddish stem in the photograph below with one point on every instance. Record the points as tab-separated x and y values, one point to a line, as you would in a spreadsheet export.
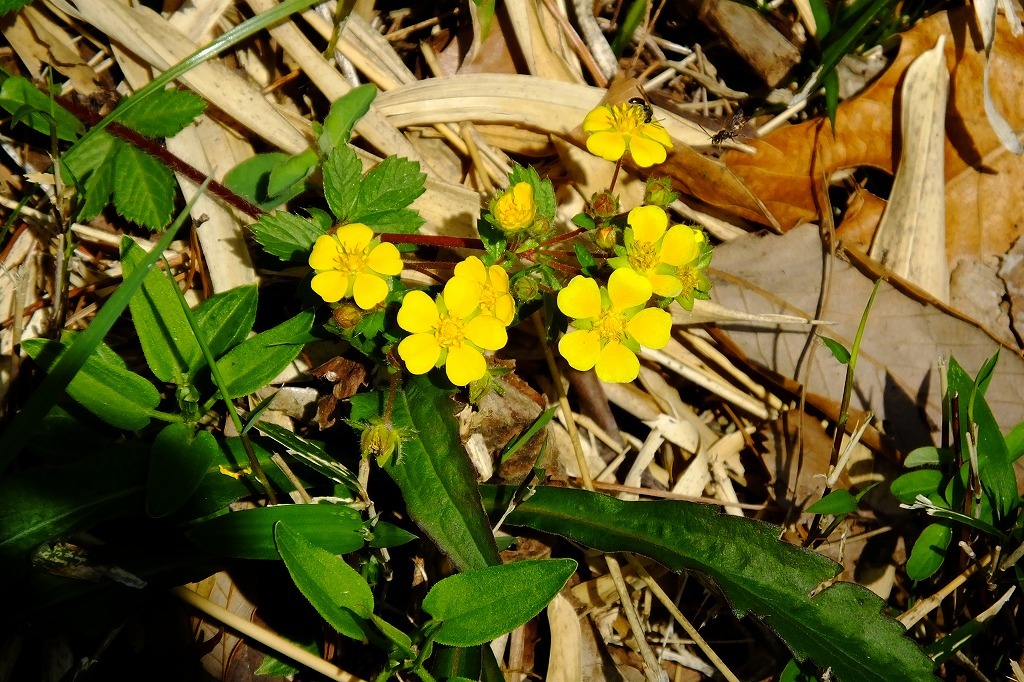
432	240
563	237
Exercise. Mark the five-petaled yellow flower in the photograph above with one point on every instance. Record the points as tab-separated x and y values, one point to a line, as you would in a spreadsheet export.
611	325
616	128
515	209
656	251
351	262
492	284
449	330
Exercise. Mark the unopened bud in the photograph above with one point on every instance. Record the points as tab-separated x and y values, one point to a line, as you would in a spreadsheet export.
347	316
659	192
606	238
525	289
379	440
604	204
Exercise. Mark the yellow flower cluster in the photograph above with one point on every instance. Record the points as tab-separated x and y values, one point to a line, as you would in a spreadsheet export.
660	253
455	328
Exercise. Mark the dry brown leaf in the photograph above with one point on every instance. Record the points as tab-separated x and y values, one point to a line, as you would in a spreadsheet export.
896	376
984	185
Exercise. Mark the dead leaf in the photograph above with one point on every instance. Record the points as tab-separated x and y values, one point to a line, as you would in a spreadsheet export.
897	377
983	180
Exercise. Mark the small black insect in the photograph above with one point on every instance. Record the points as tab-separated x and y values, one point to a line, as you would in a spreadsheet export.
731	130
645	105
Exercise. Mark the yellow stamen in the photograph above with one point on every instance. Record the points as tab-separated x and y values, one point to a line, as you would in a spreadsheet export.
449	333
642	256
611	326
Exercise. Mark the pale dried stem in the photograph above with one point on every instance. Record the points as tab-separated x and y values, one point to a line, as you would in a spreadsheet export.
922	608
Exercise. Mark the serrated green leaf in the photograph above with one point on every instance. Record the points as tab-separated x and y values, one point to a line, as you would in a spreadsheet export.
385	192
116	395
927	482
167	340
291	173
994	464
841	627
165	113
178	463
91	171
478	606
342	177
434	474
49	502
143	187
225	319
286	236
251	178
929	551
344	113
17	93
249	534
494	239
255	362
334	588
835	503
12	5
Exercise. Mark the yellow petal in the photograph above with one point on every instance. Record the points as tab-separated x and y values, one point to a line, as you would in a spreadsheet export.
418	313
681	245
652	327
626	289
580	348
497	277
330	285
665	285
580	299
464	364
617	364
610	146
420	352
461	297
354	237
472	269
646	152
369	290
599	119
487	332
325	253
504	309
655	131
648	223
385	259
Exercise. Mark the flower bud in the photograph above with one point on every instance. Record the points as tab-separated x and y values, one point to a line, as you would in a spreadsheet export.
379	440
347	316
515	209
659	192
604	205
606	238
525	289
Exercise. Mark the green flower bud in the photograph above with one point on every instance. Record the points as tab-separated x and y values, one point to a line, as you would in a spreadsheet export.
380	440
606	238
659	192
604	205
525	289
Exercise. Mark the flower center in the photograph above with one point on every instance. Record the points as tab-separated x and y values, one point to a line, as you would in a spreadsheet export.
351	262
611	326
642	256
688	276
449	333
629	118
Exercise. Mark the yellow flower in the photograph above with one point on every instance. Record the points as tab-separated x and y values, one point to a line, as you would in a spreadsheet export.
351	262
492	284
616	128
448	330
656	251
515	209
611	325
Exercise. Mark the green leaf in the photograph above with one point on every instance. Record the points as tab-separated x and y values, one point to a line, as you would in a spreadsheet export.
929	551
928	455
255	362
291	173
249	534
342	177
839	351
927	482
631	22
334	588
835	503
311	453
143	187
840	627
587	263
385	192
495	242
995	467
478	606
385	535
178	464
12	5
286	236
251	178
165	113
17	93
225	319
434	474
106	388
84	171
49	502
167	340
1015	442
344	113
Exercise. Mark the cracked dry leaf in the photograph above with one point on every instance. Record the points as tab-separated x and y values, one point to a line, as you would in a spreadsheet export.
984	182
